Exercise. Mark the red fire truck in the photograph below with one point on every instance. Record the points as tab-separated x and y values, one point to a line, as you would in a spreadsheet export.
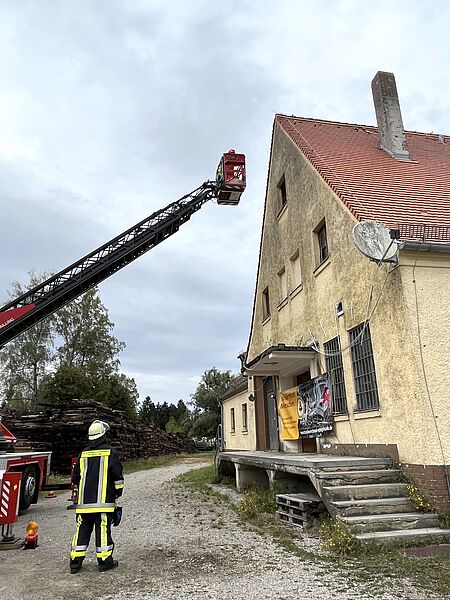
34	466
36	304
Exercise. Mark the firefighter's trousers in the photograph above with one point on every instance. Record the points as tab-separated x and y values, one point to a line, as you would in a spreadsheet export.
103	540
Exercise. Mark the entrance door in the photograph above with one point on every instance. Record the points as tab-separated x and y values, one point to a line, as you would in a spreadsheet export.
272	413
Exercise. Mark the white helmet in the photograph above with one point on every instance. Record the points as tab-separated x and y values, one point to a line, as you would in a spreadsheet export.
97	430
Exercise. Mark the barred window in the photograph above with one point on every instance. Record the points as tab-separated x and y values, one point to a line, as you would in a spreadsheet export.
364	368
335	370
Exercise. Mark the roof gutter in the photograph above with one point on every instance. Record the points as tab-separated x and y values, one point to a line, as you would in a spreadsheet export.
425	247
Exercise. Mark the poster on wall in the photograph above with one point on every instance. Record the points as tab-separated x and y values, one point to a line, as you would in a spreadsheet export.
315	415
288	413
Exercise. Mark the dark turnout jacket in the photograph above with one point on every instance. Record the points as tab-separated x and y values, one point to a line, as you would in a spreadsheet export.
98	474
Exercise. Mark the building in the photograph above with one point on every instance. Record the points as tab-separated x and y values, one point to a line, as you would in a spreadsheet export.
238	416
378	331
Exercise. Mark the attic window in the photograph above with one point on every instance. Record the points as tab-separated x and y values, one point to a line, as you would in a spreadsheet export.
322	242
282	194
265	304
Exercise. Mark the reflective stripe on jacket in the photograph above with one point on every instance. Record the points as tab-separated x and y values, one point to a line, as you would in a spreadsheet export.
99	477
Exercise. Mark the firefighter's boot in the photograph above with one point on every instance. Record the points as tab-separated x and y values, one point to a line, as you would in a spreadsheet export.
75	565
106	565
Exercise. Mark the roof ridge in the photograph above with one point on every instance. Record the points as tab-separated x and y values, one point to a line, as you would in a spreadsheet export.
430	134
314	120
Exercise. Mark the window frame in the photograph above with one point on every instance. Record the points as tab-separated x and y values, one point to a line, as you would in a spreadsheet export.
363	367
322	243
282	193
336	374
244	417
265	303
232	420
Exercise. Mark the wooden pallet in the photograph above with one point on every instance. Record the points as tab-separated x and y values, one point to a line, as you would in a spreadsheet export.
299	510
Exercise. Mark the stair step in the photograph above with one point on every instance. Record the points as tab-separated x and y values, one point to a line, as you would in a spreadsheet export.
406	536
372	506
362	477
391	522
374	490
358	465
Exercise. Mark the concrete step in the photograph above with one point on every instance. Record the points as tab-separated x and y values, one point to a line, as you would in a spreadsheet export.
363	477
357	492
373	506
358	465
391	522
405	536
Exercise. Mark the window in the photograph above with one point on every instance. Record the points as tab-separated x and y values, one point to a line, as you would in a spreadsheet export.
282	194
363	368
244	418
232	420
265	304
282	283
321	242
335	370
296	272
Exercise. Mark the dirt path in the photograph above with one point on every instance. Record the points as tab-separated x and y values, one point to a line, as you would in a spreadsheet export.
169	546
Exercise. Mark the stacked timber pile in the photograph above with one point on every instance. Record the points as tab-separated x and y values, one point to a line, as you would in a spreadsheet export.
63	430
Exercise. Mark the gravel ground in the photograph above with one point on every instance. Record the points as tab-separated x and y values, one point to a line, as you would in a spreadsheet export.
172	544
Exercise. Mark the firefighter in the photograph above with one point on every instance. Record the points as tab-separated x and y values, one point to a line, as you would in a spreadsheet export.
98	476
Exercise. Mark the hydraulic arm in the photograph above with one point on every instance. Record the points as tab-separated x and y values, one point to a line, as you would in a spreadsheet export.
44	299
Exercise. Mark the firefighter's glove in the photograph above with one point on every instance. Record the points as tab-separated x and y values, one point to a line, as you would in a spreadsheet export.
117	516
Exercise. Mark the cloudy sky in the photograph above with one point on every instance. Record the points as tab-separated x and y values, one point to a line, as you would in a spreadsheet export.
110	110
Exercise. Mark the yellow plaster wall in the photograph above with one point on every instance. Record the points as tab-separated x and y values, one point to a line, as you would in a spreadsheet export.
239	439
380	294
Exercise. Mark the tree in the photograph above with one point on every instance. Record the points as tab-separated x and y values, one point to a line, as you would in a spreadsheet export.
85	363
147	412
118	392
24	361
173	418
205	425
86	332
65	385
180	420
206	401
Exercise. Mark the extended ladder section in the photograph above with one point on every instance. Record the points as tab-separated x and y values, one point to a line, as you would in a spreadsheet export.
60	289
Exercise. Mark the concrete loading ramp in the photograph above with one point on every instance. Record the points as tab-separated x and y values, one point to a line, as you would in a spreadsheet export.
368	495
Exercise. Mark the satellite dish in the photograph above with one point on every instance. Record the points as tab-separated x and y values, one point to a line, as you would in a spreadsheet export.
374	240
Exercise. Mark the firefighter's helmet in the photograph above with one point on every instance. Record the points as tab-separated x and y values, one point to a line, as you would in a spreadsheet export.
97	430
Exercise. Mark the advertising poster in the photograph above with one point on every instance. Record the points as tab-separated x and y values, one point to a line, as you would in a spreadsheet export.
288	413
315	407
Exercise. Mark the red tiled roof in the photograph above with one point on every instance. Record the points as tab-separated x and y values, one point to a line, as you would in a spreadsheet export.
374	185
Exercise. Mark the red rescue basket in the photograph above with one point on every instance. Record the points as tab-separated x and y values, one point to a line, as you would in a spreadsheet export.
230	178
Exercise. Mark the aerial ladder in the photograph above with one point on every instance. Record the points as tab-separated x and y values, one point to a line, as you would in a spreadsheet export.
36	304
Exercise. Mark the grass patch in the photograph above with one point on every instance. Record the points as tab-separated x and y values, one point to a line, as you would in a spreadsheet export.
387	564
154	462
198	479
336	538
257	501
374	567
55	478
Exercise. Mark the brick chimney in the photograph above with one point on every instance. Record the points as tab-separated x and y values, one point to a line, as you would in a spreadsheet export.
391	134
